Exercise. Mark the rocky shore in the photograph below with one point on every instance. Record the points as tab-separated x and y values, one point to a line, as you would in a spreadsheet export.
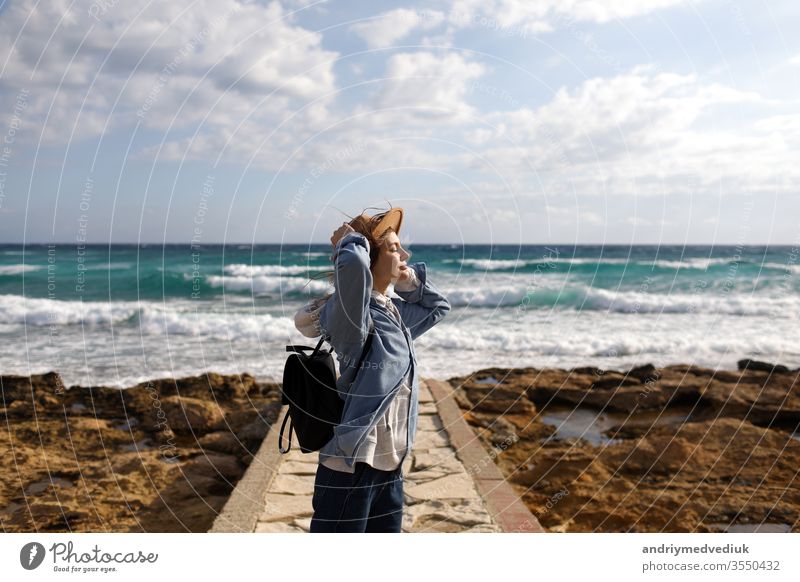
677	449
674	449
162	456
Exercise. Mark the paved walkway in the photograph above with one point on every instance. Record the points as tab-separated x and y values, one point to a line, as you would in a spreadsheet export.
451	484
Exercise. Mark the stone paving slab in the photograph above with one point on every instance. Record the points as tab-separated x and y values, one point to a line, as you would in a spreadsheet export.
440	494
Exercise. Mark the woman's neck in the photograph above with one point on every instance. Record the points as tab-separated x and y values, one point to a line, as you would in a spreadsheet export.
381	286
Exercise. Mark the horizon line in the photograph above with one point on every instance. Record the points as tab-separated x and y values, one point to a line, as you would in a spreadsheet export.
161	243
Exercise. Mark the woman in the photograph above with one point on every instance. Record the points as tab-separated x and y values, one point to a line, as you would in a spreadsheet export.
359	481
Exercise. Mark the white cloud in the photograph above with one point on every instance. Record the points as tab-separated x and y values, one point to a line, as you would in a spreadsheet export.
597	11
174	63
640	131
432	84
590	217
607	117
507	16
784	128
421	97
389	27
294	4
545	15
640	221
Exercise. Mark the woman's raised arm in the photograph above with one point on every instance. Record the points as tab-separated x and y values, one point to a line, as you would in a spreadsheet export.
345	316
422	305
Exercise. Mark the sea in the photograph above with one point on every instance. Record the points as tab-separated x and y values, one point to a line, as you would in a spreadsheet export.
116	315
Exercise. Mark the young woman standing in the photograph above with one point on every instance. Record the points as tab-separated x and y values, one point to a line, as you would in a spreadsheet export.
359	480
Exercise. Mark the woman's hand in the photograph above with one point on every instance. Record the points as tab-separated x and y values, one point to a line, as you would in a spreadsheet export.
406	274
407	281
340	232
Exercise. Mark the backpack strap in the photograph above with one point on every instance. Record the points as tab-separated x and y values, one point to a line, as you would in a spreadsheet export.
280	435
300	349
370	333
365	349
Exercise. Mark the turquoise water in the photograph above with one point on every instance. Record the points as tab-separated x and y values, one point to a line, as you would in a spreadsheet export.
113	314
120	272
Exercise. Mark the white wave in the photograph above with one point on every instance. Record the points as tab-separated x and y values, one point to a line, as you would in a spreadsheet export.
587	261
782	267
110	266
787	306
265	284
536	294
699	263
497	264
15	309
242	270
493	264
688	263
600	335
224	325
713	343
148	318
504	264
182	339
307	254
494	295
17	269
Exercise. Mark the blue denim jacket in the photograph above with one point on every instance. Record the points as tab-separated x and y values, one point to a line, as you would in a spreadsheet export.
345	320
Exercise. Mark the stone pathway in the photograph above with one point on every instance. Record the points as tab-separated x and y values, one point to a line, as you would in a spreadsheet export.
440	494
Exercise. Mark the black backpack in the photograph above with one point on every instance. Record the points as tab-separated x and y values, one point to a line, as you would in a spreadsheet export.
309	388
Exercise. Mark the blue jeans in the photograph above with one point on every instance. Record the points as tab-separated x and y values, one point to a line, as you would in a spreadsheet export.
368	500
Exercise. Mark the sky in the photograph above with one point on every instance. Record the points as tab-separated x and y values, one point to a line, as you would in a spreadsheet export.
488	121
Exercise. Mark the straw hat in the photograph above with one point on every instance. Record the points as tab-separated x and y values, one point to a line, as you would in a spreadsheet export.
392	219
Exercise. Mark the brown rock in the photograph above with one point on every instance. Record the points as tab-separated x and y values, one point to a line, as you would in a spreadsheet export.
220	441
215	465
665	473
653	454
508	399
254	431
190	415
646	373
236	420
748	364
28	388
611	380
210	386
109	449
